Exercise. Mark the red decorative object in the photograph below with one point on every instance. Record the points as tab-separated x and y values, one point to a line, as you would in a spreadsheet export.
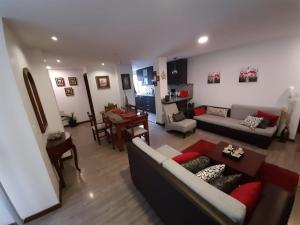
248	194
199	111
184	157
272	118
183	93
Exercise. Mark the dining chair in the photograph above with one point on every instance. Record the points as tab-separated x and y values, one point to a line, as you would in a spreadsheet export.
138	127
98	128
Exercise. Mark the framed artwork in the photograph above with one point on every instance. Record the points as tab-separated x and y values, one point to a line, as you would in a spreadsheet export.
248	75
60	81
69	91
102	82
73	81
126	81
35	100
214	78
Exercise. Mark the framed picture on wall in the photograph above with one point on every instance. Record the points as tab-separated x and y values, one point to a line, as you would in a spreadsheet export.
102	82
214	78
60	81
69	91
126	81
73	81
248	74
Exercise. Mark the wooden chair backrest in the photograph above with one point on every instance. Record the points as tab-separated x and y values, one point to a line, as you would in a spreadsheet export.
92	119
110	107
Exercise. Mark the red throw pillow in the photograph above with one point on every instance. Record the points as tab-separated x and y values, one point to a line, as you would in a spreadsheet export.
199	111
184	157
272	118
248	194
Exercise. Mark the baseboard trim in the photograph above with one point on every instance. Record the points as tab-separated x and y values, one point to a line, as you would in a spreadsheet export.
42	213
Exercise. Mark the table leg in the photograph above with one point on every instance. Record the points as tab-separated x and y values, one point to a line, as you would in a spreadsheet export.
59	172
75	157
120	141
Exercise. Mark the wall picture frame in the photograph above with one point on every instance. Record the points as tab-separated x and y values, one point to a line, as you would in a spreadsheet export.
126	81
69	91
102	82
248	75
60	81
214	78
73	81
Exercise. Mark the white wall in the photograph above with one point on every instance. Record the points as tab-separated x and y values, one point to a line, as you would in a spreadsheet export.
101	97
278	65
25	169
161	90
79	102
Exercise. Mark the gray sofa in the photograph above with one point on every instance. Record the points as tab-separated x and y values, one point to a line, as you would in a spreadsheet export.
231	125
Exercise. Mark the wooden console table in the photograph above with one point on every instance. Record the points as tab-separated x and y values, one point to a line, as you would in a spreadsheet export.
55	151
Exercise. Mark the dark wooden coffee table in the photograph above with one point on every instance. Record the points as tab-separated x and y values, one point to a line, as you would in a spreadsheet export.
249	164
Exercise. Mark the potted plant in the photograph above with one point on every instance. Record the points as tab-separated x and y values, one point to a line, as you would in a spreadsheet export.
72	120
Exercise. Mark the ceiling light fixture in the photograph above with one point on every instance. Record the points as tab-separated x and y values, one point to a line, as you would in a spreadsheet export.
202	39
58	61
48	67
102	64
54	38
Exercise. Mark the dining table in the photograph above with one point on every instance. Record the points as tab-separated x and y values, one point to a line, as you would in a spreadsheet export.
121	125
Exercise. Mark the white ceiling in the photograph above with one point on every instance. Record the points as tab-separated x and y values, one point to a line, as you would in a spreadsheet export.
124	31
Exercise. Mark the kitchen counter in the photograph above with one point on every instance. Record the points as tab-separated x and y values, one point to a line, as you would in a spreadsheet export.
175	99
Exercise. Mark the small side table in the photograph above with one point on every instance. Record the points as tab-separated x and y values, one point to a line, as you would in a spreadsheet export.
55	151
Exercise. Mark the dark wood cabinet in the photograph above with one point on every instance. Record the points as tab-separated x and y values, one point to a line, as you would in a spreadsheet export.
179	77
145	75
146	103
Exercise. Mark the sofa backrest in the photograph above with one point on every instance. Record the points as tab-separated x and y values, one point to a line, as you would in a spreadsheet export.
229	206
155	155
240	112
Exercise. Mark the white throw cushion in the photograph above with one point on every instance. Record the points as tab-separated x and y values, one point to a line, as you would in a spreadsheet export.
216	111
210	173
159	158
251	121
232	208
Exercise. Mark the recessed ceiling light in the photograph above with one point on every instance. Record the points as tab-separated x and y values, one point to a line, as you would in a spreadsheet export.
54	38
48	67
202	39
58	61
102	64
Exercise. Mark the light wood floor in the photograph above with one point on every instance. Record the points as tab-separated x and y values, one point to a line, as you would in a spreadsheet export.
103	193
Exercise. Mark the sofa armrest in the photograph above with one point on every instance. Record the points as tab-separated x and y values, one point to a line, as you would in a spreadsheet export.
274	208
168	151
